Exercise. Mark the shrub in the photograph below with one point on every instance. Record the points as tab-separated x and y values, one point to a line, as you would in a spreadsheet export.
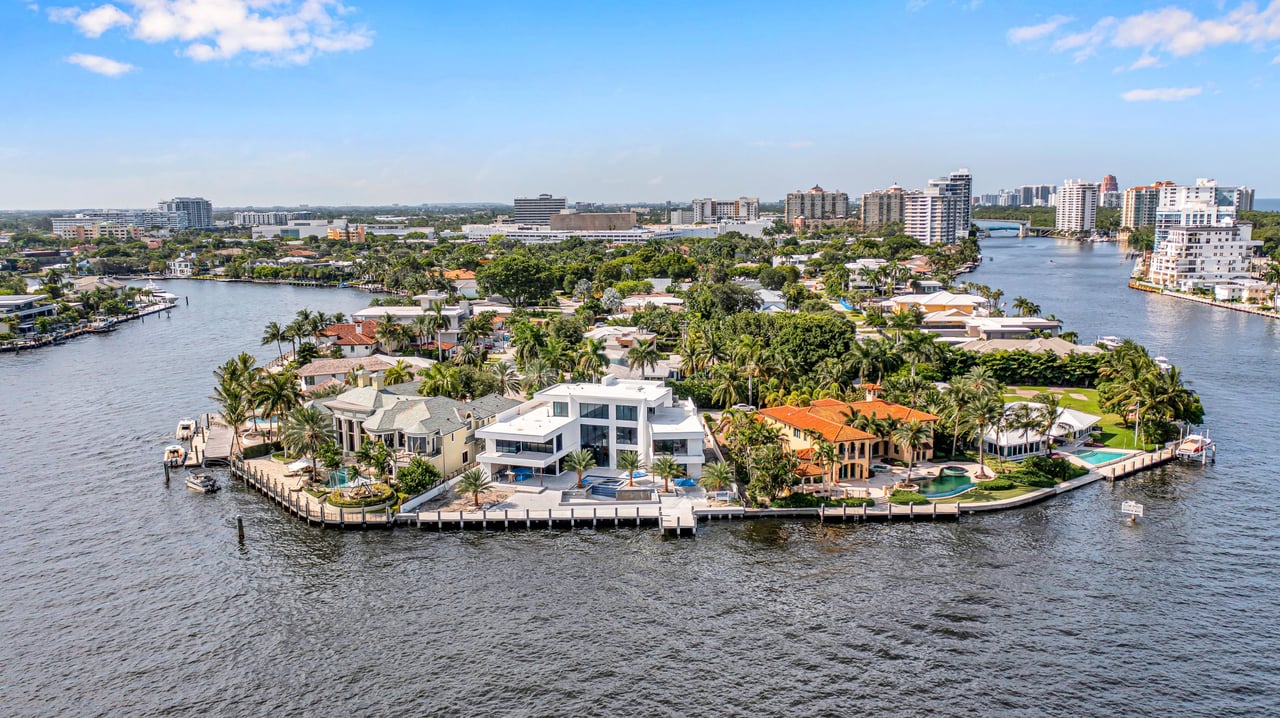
258	451
796	501
1056	469
996	485
382	494
1028	477
901	497
854	501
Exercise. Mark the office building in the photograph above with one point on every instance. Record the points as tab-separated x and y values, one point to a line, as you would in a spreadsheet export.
592	221
680	216
816	204
199	210
1139	206
1077	203
744	209
538	210
883	207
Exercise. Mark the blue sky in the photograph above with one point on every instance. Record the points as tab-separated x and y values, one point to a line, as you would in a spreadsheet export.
308	101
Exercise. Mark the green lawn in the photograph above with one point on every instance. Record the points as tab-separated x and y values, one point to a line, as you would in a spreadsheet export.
978	495
1114	434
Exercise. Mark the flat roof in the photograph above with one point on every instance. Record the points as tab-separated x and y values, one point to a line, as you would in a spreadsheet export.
16	299
537	423
621	390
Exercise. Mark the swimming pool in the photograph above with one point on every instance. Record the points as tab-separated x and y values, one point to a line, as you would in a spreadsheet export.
342	478
1094	458
259	423
949	482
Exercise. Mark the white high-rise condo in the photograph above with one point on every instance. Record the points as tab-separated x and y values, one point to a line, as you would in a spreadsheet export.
1077	206
1204	204
943	212
199	210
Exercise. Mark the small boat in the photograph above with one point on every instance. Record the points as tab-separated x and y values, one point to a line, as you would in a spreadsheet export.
1163	363
102	326
186	428
202	483
1110	342
1196	447
175	455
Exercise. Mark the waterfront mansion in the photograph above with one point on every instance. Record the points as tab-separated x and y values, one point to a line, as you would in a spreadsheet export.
605	418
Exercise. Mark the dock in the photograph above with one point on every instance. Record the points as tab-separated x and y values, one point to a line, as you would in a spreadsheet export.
211	444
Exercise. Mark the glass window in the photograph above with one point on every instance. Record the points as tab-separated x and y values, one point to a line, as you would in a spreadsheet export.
593	411
623	412
560	408
596	440
626	435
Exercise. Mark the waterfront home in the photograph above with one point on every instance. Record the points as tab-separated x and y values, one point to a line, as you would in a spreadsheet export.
830	419
1252	291
1070	427
454	316
25	308
322	370
1057	345
83	285
463	282
605	418
181	266
436	428
969	304
1010	327
355	339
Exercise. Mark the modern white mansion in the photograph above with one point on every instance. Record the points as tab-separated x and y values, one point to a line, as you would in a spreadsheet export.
613	416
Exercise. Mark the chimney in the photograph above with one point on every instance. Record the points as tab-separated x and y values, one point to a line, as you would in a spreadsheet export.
871	390
375	381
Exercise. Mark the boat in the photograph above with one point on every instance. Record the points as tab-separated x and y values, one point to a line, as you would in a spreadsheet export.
160	294
174	455
1197	447
202	483
1163	363
1110	342
186	428
102	326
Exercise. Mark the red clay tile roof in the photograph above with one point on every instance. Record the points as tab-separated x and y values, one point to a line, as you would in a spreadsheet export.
456	274
876	408
832	428
348	336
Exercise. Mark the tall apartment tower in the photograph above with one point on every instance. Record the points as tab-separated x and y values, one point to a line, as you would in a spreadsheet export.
1077	206
883	207
817	204
1204	204
199	210
960	185
1139	207
538	210
1109	184
943	212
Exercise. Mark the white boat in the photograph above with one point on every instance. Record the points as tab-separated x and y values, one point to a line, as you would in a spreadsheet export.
1110	342
1163	363
202	483
1196	447
174	455
158	293
186	428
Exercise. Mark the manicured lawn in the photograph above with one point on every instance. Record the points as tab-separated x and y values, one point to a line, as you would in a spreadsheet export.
1114	434
978	495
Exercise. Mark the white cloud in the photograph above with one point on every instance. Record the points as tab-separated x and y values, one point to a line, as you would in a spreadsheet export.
1028	33
292	31
1147	60
1171	31
101	65
1161	94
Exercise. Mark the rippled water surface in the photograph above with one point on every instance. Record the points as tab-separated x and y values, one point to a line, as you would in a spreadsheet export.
123	597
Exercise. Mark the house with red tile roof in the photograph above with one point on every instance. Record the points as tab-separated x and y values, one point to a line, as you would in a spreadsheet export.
355	339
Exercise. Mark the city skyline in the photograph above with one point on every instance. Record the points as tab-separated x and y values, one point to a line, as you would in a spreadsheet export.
317	103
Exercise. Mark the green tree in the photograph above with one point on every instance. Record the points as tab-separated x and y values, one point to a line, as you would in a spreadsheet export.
667	468
399	373
911	436
716	477
518	276
276	394
579	462
474	482
418	476
305	432
274	334
629	461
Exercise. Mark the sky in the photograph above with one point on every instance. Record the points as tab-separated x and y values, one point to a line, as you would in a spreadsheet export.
286	102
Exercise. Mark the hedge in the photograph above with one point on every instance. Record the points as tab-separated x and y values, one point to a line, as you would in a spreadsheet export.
1027	477
901	497
996	485
257	451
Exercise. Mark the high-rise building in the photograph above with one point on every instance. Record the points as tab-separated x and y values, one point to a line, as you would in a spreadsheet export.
1077	206
1204	204
1198	257
251	218
1109	184
1113	200
960	184
538	210
199	210
817	204
1139	206
942	213
883	207
714	210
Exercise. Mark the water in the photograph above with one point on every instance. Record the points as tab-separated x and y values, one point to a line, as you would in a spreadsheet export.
123	597
950	481
1098	457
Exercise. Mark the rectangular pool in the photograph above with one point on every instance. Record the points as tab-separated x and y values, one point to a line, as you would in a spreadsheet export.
1094	458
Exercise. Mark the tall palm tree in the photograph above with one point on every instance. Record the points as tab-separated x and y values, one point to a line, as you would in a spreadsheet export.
306	431
579	462
725	392
828	455
421	327
439	323
1025	307
716	477
666	467
276	394
399	373
983	413
440	379
592	361
747	355
508	379
274	333
1045	416
388	333
643	354
629	461
236	410
474	482
911	436
916	346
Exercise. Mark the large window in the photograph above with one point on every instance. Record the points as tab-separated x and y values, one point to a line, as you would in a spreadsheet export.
596	440
593	411
506	446
626	435
559	408
623	412
674	447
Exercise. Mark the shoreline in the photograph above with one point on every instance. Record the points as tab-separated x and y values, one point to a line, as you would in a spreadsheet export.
1246	308
19	347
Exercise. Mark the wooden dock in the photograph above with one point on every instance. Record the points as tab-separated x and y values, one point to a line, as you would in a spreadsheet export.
563	517
309	508
211	444
1141	462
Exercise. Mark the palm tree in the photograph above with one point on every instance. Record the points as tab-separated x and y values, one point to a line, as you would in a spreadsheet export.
440	379
748	355
274	333
388	333
421	327
726	386
917	346
276	394
305	431
667	468
438	323
374	455
1045	417
235	411
828	455
508	380
399	373
984	412
629	461
592	360
643	354
716	477
911	436
1025	307
580	462
474	482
